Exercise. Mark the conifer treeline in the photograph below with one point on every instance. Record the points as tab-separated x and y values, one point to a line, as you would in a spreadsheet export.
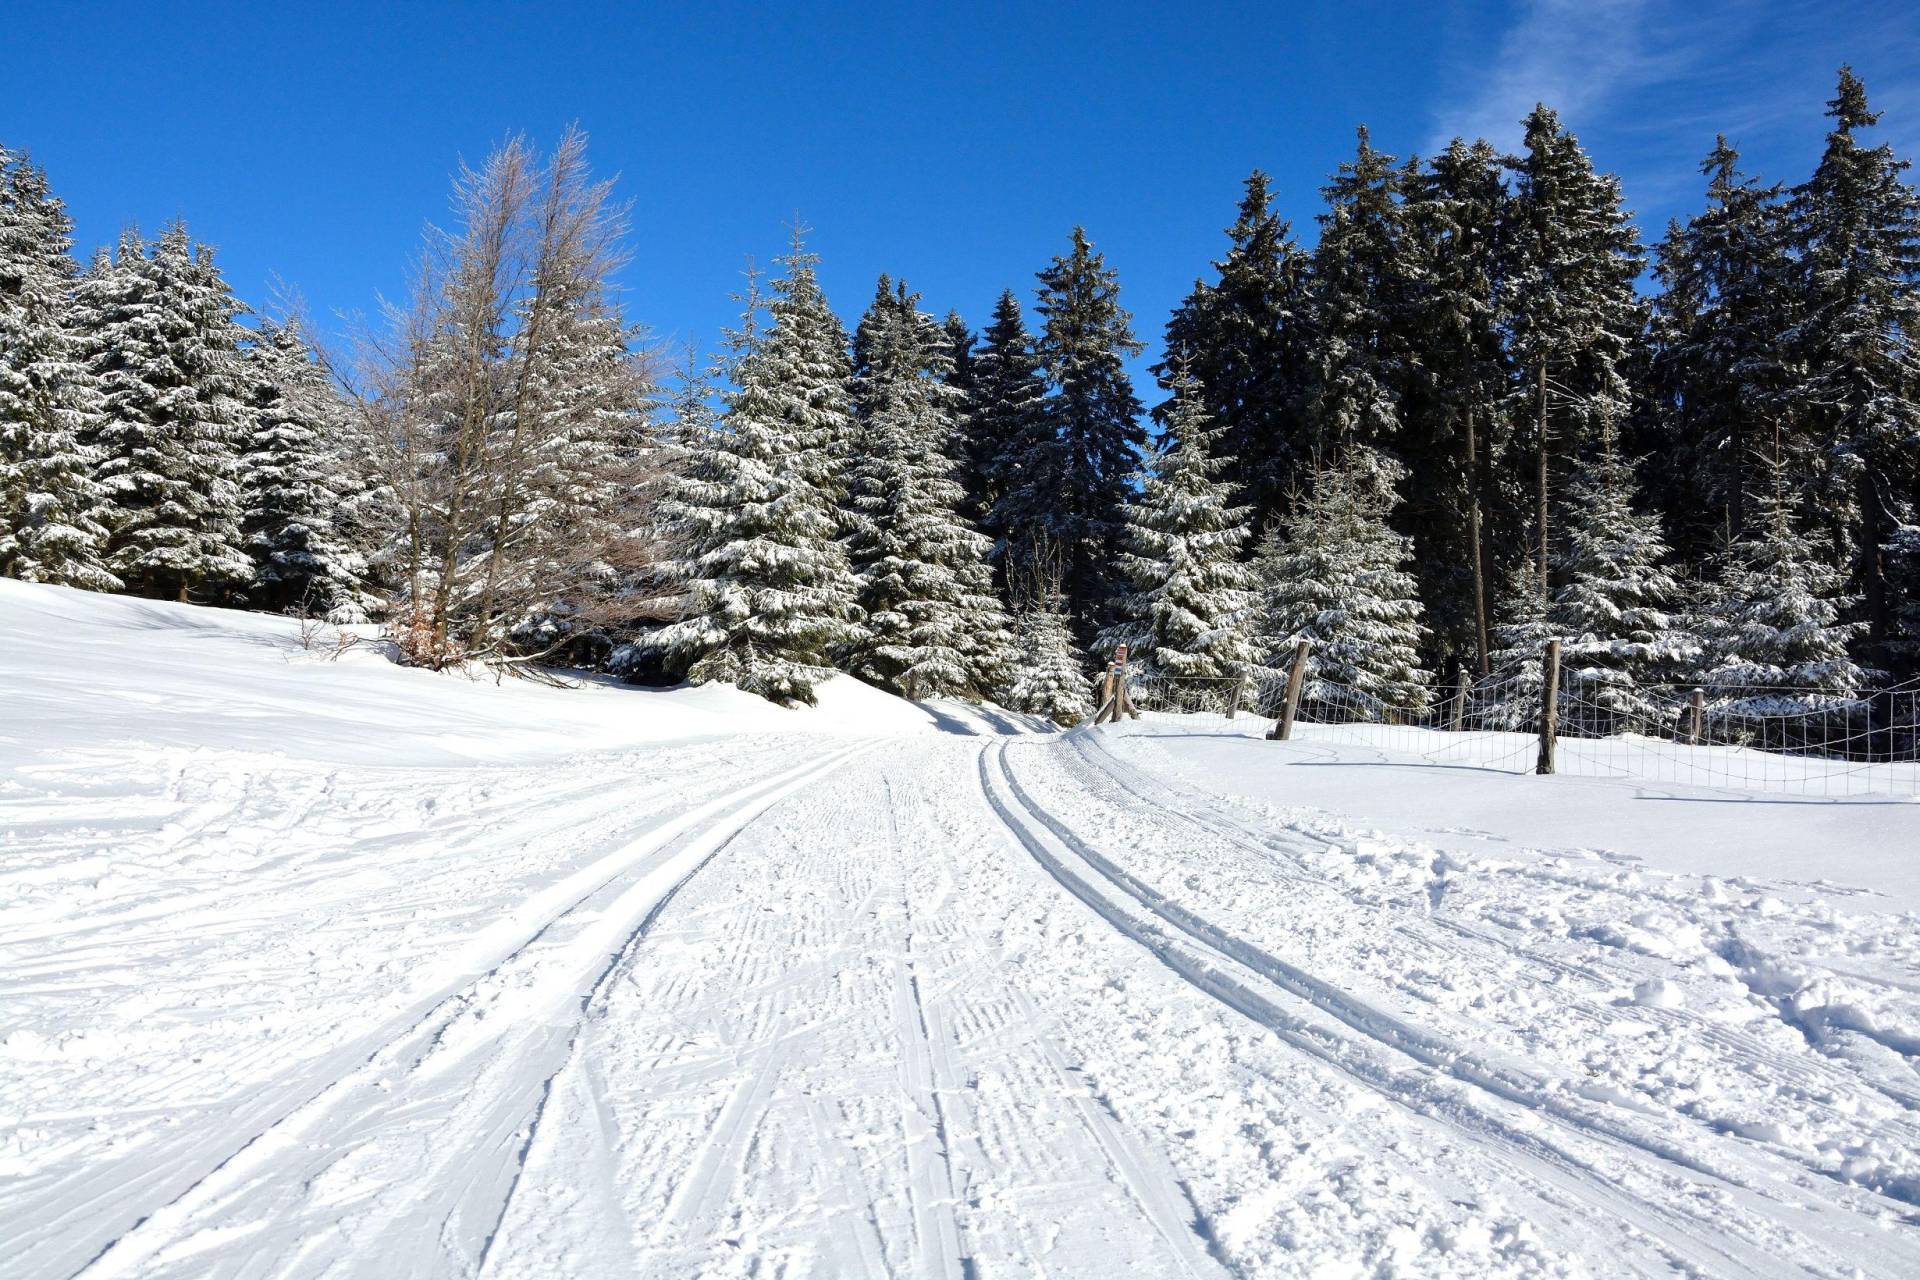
1450	429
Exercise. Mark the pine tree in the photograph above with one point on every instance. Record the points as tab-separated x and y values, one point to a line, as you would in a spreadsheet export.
1338	580
1185	614
1613	608
1360	297
1573	257
1050	673
1012	436
1857	224
1718	369
1453	435
51	506
1075	485
1777	645
1246	340
162	339
933	625
291	483
1512	698
768	594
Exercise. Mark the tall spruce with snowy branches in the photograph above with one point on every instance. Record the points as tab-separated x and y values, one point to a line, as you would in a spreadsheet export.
933	625
768	595
1185	615
1245	339
1074	485
1337	577
1012	435
1360	292
162	339
1718	369
1510	699
291	490
1573	256
51	506
1857	227
1615	604
1453	438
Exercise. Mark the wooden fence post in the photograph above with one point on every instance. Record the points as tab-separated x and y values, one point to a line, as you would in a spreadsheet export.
1107	711
1283	730
1460	701
1233	700
1696	713
1549	705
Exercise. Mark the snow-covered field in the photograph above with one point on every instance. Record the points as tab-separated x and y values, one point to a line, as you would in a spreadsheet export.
314	966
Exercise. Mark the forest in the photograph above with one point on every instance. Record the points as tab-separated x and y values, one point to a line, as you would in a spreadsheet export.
1474	414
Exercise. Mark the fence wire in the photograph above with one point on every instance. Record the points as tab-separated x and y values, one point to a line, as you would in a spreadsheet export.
1788	740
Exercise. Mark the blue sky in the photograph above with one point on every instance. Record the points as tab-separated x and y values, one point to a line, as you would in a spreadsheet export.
952	144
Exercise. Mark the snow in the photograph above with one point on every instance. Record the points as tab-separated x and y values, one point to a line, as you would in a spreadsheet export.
317	966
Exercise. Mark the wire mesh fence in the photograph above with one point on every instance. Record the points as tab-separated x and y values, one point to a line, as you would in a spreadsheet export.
1788	740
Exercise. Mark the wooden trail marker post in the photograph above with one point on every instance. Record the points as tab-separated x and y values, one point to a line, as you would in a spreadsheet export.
1283	728
1549	705
1107	711
1123	701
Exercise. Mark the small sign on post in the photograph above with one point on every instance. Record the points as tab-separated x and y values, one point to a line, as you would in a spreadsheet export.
1549	705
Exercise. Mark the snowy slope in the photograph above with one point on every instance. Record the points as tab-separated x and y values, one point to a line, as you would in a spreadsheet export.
315	967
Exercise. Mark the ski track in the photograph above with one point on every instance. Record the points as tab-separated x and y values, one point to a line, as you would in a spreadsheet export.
468	1158
861	1015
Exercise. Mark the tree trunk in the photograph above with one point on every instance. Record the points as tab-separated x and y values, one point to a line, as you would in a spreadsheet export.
1540	491
1479	561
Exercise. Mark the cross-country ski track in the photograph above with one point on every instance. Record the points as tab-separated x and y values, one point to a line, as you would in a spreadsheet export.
966	1000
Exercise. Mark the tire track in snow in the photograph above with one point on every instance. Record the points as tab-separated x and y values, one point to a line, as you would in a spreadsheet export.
585	915
1502	1113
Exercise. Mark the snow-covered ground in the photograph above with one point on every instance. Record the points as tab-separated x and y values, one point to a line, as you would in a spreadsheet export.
324	967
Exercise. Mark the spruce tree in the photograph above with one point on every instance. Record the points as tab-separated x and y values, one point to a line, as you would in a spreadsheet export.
1857	226
1777	644
1614	605
1360	296
1012	435
1511	698
292	474
1572	260
768	595
51	506
933	624
1453	435
1245	339
1185	615
1338	579
162	339
1049	672
1718	369
1075	484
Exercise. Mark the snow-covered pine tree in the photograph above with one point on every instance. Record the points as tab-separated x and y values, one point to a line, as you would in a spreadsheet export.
934	626
767	591
1077	482
161	337
1184	619
1360	291
1568	293
1010	432
1049	673
1718	367
292	471
51	505
1857	225
1453	435
1245	339
1510	699
1613	608
1338	579
1777	645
